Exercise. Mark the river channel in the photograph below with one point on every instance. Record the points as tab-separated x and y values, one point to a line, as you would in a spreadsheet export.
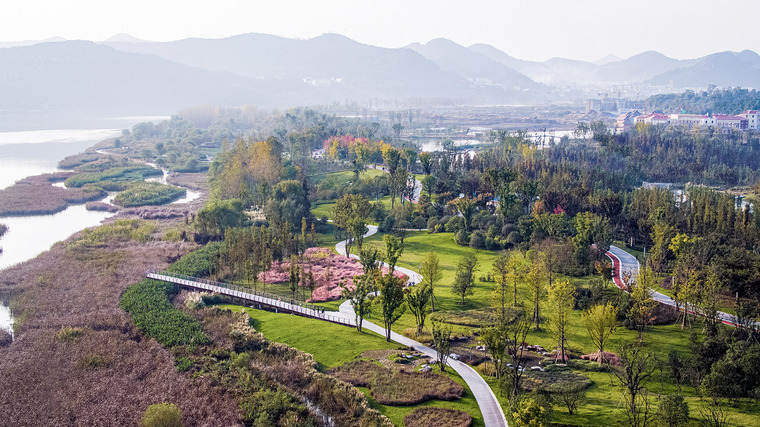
29	153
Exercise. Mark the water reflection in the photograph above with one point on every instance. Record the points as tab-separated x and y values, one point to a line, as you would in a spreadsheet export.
29	236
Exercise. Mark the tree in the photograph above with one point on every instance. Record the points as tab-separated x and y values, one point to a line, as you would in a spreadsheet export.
217	216
637	365
516	271
569	394
416	299
642	304
673	411
495	340
536	278
464	281
391	286
500	271
441	341
466	207
514	327
431	272
426	161
601	322
360	297
560	304
393	250
350	214
295	275
162	415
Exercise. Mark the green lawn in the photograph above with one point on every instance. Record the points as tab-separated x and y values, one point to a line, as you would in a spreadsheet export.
345	344
604	404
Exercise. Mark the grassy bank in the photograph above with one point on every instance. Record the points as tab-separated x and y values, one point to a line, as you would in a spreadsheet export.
113	179
346	345
38	196
148	194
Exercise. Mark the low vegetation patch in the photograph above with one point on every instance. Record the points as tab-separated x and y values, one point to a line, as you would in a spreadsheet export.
149	304
554	380
113	179
474	318
3	229
78	160
148	194
69	333
328	270
398	388
37	196
437	417
101	206
197	263
120	230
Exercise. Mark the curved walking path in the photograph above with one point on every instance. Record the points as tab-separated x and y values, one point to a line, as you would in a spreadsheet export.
490	408
625	263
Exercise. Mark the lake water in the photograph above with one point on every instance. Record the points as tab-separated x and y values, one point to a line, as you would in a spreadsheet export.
24	154
29	153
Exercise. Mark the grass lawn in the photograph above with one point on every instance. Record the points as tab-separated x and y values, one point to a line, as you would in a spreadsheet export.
322	209
345	344
343	178
604	405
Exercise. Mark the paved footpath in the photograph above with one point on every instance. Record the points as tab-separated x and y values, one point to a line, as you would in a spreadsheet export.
625	263
493	414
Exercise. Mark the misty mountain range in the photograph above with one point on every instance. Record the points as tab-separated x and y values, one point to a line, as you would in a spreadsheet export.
124	75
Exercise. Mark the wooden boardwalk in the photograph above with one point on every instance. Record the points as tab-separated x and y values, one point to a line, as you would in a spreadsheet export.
249	295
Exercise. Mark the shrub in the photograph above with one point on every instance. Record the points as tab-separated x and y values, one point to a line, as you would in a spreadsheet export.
162	415
530	413
419	223
455	224
95	361
69	334
432	224
197	263
673	411
462	237
183	363
477	240
148	303
437	417
173	235
514	238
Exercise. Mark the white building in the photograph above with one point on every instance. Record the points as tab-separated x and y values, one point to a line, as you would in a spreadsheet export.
753	119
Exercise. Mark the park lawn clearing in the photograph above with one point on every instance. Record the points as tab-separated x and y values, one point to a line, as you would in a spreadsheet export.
604	399
330	344
333	345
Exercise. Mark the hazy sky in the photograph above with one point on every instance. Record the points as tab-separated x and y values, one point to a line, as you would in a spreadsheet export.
527	29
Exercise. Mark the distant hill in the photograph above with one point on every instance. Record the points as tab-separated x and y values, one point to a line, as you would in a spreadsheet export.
477	68
721	69
537	71
335	65
125	75
79	75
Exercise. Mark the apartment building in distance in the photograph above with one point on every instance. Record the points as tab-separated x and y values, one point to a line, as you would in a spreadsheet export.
724	122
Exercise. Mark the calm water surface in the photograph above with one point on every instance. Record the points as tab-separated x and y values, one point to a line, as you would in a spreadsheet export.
29	153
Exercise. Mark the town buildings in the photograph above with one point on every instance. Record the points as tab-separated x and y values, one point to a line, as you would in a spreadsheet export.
724	122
